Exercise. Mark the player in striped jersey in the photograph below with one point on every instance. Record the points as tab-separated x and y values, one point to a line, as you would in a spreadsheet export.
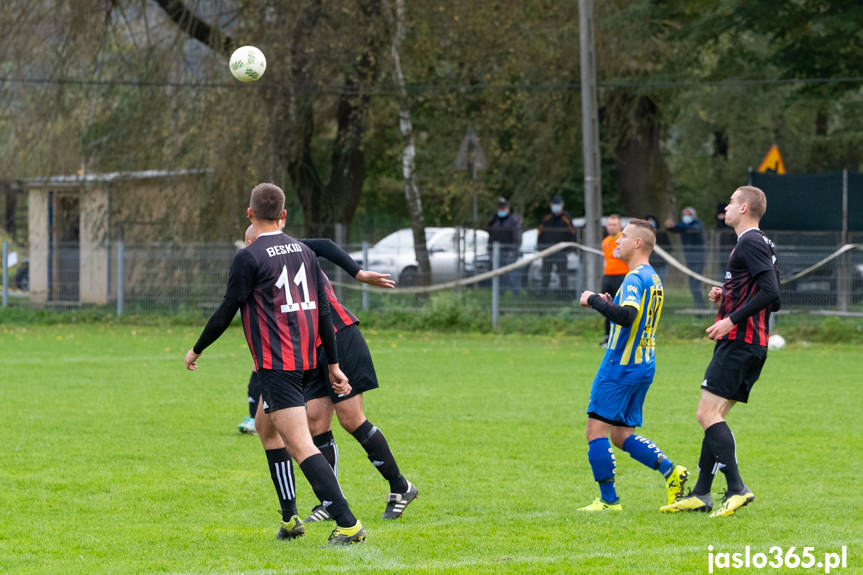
322	401
748	296
277	284
627	370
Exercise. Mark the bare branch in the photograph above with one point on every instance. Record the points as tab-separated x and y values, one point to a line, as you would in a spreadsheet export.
197	28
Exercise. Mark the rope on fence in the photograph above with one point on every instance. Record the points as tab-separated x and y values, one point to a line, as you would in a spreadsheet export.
566	245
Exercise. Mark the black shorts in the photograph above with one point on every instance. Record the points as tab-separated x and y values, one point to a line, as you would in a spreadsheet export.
734	369
610	284
354	359
282	389
254	387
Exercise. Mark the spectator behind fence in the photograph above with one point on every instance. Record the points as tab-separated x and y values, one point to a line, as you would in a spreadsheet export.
663	241
691	232
505	228
615	270
554	228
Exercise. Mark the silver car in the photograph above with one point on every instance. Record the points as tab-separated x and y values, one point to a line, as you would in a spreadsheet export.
534	270
395	254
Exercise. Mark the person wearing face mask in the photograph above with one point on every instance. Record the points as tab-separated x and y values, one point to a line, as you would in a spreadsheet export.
554	228
691	232
505	228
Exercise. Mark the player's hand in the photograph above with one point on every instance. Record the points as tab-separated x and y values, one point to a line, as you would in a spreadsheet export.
715	295
192	360
719	329
585	295
339	380
606	297
375	279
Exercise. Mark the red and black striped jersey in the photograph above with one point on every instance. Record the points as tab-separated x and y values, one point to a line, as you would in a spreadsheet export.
753	255
280	314
341	316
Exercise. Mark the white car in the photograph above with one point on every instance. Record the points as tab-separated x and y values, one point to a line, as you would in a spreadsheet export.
395	254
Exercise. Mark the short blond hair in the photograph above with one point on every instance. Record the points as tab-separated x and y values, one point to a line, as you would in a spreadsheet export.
645	231
755	199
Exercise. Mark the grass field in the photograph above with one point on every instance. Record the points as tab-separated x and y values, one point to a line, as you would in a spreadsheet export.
114	459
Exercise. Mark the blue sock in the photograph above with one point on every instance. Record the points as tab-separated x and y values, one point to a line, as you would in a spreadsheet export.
648	453
601	457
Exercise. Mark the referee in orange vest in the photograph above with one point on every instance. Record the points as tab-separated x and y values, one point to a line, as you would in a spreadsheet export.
614	270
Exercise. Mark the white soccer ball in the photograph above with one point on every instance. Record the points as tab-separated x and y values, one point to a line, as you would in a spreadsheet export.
776	341
248	64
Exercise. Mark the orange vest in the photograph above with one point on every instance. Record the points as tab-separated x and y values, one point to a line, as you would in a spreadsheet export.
613	266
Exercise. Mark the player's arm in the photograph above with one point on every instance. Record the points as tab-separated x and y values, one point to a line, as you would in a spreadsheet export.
328	338
328	249
622	315
325	321
759	262
240	282
768	294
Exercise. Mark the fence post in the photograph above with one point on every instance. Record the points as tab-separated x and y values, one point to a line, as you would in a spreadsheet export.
843	279
121	254
365	267
495	284
5	273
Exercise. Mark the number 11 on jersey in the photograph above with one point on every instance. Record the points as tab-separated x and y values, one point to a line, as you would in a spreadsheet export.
300	281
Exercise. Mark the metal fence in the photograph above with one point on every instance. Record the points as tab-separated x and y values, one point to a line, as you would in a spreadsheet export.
191	277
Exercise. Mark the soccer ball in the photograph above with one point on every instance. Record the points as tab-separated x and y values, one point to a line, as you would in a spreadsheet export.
248	64
776	342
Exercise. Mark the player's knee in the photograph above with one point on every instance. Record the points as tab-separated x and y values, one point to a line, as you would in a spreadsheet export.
707	416
318	424
618	437
351	420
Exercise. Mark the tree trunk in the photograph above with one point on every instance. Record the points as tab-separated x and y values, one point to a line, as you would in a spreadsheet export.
412	193
643	174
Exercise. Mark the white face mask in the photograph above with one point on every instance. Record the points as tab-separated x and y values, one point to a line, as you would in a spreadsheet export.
688	219
556	208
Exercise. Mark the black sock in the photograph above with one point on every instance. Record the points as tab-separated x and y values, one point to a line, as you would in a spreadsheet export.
723	445
326	487
706	469
378	450
326	444
282	473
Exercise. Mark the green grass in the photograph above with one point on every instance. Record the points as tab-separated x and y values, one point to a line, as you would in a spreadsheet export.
114	459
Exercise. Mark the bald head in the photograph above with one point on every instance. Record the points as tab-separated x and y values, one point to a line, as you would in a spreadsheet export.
251	234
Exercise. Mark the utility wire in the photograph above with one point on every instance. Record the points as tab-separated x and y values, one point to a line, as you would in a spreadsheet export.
385	90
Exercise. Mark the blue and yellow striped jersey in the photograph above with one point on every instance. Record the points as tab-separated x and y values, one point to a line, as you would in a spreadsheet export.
634	347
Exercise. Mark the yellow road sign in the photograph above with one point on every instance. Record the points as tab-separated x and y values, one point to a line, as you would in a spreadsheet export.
772	162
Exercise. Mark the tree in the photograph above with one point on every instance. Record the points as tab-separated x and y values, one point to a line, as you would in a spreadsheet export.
324	202
396	17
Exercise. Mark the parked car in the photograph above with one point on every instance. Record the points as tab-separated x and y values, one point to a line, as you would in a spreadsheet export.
533	278
395	254
820	287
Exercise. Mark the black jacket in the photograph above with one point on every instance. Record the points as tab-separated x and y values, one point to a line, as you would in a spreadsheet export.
555	228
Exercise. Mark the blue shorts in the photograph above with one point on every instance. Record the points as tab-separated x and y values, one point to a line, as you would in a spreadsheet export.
617	400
